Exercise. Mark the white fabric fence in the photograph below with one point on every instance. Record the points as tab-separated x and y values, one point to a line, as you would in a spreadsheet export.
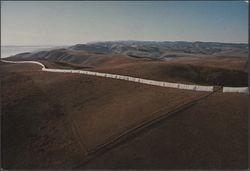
23	62
139	80
235	90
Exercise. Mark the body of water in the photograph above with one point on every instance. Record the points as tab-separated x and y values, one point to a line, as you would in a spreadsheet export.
7	51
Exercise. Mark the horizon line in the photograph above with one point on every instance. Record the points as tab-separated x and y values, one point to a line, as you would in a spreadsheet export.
124	40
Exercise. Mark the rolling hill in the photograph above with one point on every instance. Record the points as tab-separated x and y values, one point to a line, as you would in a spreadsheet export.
66	121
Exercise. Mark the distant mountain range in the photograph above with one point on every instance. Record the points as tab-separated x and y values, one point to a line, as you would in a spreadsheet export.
140	49
158	49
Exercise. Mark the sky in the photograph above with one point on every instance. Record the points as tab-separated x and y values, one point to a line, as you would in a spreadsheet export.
73	22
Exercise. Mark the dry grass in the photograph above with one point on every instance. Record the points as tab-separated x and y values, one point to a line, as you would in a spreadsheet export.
50	120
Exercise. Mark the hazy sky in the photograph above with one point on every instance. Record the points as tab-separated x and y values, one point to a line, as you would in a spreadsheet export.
71	22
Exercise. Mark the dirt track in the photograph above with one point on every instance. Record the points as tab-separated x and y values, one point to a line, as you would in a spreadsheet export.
195	138
159	116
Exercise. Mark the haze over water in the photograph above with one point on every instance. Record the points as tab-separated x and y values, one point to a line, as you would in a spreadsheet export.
10	50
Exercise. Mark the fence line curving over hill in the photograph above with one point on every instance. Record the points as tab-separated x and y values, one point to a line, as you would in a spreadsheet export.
24	62
138	80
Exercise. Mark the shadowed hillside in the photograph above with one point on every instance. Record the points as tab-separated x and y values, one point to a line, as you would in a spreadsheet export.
226	65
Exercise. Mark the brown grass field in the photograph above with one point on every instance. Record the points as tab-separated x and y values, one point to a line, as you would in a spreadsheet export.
56	120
